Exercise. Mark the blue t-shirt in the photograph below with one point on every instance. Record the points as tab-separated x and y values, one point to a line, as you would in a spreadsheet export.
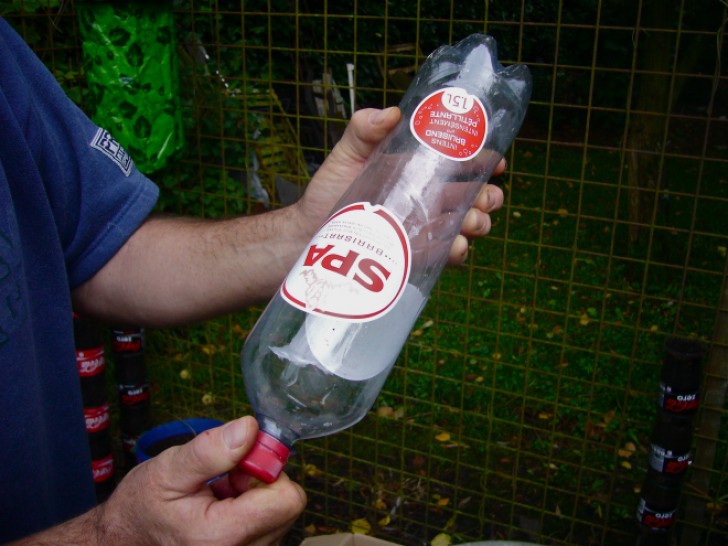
70	197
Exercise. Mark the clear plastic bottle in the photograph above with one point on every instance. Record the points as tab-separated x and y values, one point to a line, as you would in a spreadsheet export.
318	356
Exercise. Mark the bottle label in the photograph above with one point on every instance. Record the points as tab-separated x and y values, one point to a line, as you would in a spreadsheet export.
654	519
355	268
97	419
127	341
677	403
132	395
666	461
103	469
90	361
452	123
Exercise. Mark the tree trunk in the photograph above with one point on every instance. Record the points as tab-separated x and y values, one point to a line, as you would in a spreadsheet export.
650	108
709	424
657	91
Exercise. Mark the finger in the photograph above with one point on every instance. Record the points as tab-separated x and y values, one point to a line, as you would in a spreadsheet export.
476	224
241	481
222	488
213	452
458	251
267	508
489	199
500	168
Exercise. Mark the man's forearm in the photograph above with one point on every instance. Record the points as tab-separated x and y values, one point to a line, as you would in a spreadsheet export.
86	529
179	270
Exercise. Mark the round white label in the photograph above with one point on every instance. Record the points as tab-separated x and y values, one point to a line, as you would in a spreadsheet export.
355	268
452	123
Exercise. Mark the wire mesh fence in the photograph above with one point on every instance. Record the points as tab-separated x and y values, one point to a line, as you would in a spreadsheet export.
523	403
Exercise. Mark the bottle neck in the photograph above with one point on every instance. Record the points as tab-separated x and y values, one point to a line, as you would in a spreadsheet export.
281	433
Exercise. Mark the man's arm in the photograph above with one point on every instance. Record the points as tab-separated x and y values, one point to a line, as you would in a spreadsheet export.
175	270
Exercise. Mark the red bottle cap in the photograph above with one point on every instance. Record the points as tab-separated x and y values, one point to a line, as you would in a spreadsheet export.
265	461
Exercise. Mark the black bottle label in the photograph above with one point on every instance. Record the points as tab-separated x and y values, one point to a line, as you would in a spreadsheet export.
127	341
678	403
133	395
654	519
667	461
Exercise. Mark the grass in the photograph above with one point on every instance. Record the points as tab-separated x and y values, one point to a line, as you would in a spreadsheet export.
527	375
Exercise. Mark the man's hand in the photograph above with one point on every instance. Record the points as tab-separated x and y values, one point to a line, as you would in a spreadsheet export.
366	130
166	500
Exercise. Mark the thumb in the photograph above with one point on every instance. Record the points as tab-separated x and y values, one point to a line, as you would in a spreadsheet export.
367	128
211	453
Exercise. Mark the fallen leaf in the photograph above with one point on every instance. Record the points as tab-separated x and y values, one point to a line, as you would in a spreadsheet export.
444	501
310	530
379	504
311	471
239	330
626	464
563	212
385	521
443	437
385	411
584	319
361	526
443	539
607	419
713	508
628	450
208	349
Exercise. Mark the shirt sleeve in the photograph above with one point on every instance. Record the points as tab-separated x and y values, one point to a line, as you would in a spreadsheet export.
97	195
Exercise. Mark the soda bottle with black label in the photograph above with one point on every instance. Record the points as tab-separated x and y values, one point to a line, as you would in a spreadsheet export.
657	507
680	378
320	353
91	361
132	384
91	364
671	443
102	457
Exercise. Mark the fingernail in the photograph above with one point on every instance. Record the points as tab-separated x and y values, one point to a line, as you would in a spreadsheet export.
379	116
234	433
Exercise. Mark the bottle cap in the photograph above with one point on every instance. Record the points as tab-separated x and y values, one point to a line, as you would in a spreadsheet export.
265	461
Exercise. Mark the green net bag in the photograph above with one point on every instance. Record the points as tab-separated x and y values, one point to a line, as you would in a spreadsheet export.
131	70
